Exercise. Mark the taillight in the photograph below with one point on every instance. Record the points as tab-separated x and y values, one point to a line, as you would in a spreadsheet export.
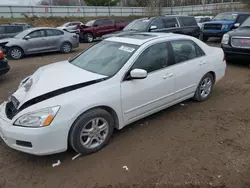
1	55
224	59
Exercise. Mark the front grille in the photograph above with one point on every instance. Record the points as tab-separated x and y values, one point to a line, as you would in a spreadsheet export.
11	107
212	26
240	42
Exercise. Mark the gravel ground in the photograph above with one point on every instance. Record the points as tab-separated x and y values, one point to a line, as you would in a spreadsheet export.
191	145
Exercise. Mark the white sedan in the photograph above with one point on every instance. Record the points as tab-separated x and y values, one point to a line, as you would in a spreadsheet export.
78	103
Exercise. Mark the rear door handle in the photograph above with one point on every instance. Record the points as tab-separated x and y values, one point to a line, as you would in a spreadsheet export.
168	76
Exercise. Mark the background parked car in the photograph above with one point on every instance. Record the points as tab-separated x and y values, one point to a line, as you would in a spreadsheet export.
39	40
201	19
12	29
186	25
222	23
97	28
70	26
4	67
236	43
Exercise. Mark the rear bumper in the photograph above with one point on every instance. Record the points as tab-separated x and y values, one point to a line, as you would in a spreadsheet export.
4	70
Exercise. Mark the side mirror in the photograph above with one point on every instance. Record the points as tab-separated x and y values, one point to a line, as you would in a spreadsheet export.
236	25
27	37
138	74
153	27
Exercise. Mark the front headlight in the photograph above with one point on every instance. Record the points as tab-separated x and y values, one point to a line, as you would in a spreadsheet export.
224	27
225	39
40	118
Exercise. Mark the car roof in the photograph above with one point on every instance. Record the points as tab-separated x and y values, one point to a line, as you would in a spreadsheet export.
141	38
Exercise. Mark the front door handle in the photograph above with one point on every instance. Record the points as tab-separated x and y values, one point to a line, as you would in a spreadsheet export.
202	63
168	76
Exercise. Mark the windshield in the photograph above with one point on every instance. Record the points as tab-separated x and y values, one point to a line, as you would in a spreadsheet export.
22	34
137	25
227	17
90	23
246	23
105	58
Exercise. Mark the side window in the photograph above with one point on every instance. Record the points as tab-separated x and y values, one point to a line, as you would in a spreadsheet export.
158	23
188	21
107	22
2	30
53	32
185	50
242	18
13	29
153	58
170	22
37	34
99	22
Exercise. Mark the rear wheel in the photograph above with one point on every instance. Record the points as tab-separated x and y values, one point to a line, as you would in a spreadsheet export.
91	131
66	47
204	89
15	53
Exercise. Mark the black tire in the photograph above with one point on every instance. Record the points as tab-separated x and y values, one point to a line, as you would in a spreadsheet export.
204	38
88	37
198	94
66	47
76	141
15	53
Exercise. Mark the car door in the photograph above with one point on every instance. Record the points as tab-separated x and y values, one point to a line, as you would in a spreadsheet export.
37	42
53	37
141	97
171	24
109	26
99	28
189	67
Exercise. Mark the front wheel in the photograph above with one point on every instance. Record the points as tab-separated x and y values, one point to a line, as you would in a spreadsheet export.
88	37
91	131
204	38
204	89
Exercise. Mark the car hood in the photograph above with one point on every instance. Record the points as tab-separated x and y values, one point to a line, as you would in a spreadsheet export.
220	22
6	40
241	32
51	78
118	34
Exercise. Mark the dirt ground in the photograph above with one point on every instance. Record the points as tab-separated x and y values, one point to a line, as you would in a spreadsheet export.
191	145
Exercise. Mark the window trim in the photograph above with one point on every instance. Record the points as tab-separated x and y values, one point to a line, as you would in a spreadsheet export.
145	48
196	45
162	21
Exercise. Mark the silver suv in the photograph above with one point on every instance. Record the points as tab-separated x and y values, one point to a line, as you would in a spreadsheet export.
12	29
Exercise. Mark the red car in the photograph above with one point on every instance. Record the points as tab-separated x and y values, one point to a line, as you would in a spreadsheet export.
97	28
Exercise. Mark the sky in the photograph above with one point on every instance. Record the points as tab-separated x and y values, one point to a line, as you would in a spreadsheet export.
18	2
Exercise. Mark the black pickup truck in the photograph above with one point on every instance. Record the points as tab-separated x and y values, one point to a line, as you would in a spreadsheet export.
185	25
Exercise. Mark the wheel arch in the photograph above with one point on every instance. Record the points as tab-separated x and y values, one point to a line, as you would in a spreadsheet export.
104	107
213	74
15	46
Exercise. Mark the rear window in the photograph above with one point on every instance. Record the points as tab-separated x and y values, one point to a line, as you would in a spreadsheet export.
188	21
